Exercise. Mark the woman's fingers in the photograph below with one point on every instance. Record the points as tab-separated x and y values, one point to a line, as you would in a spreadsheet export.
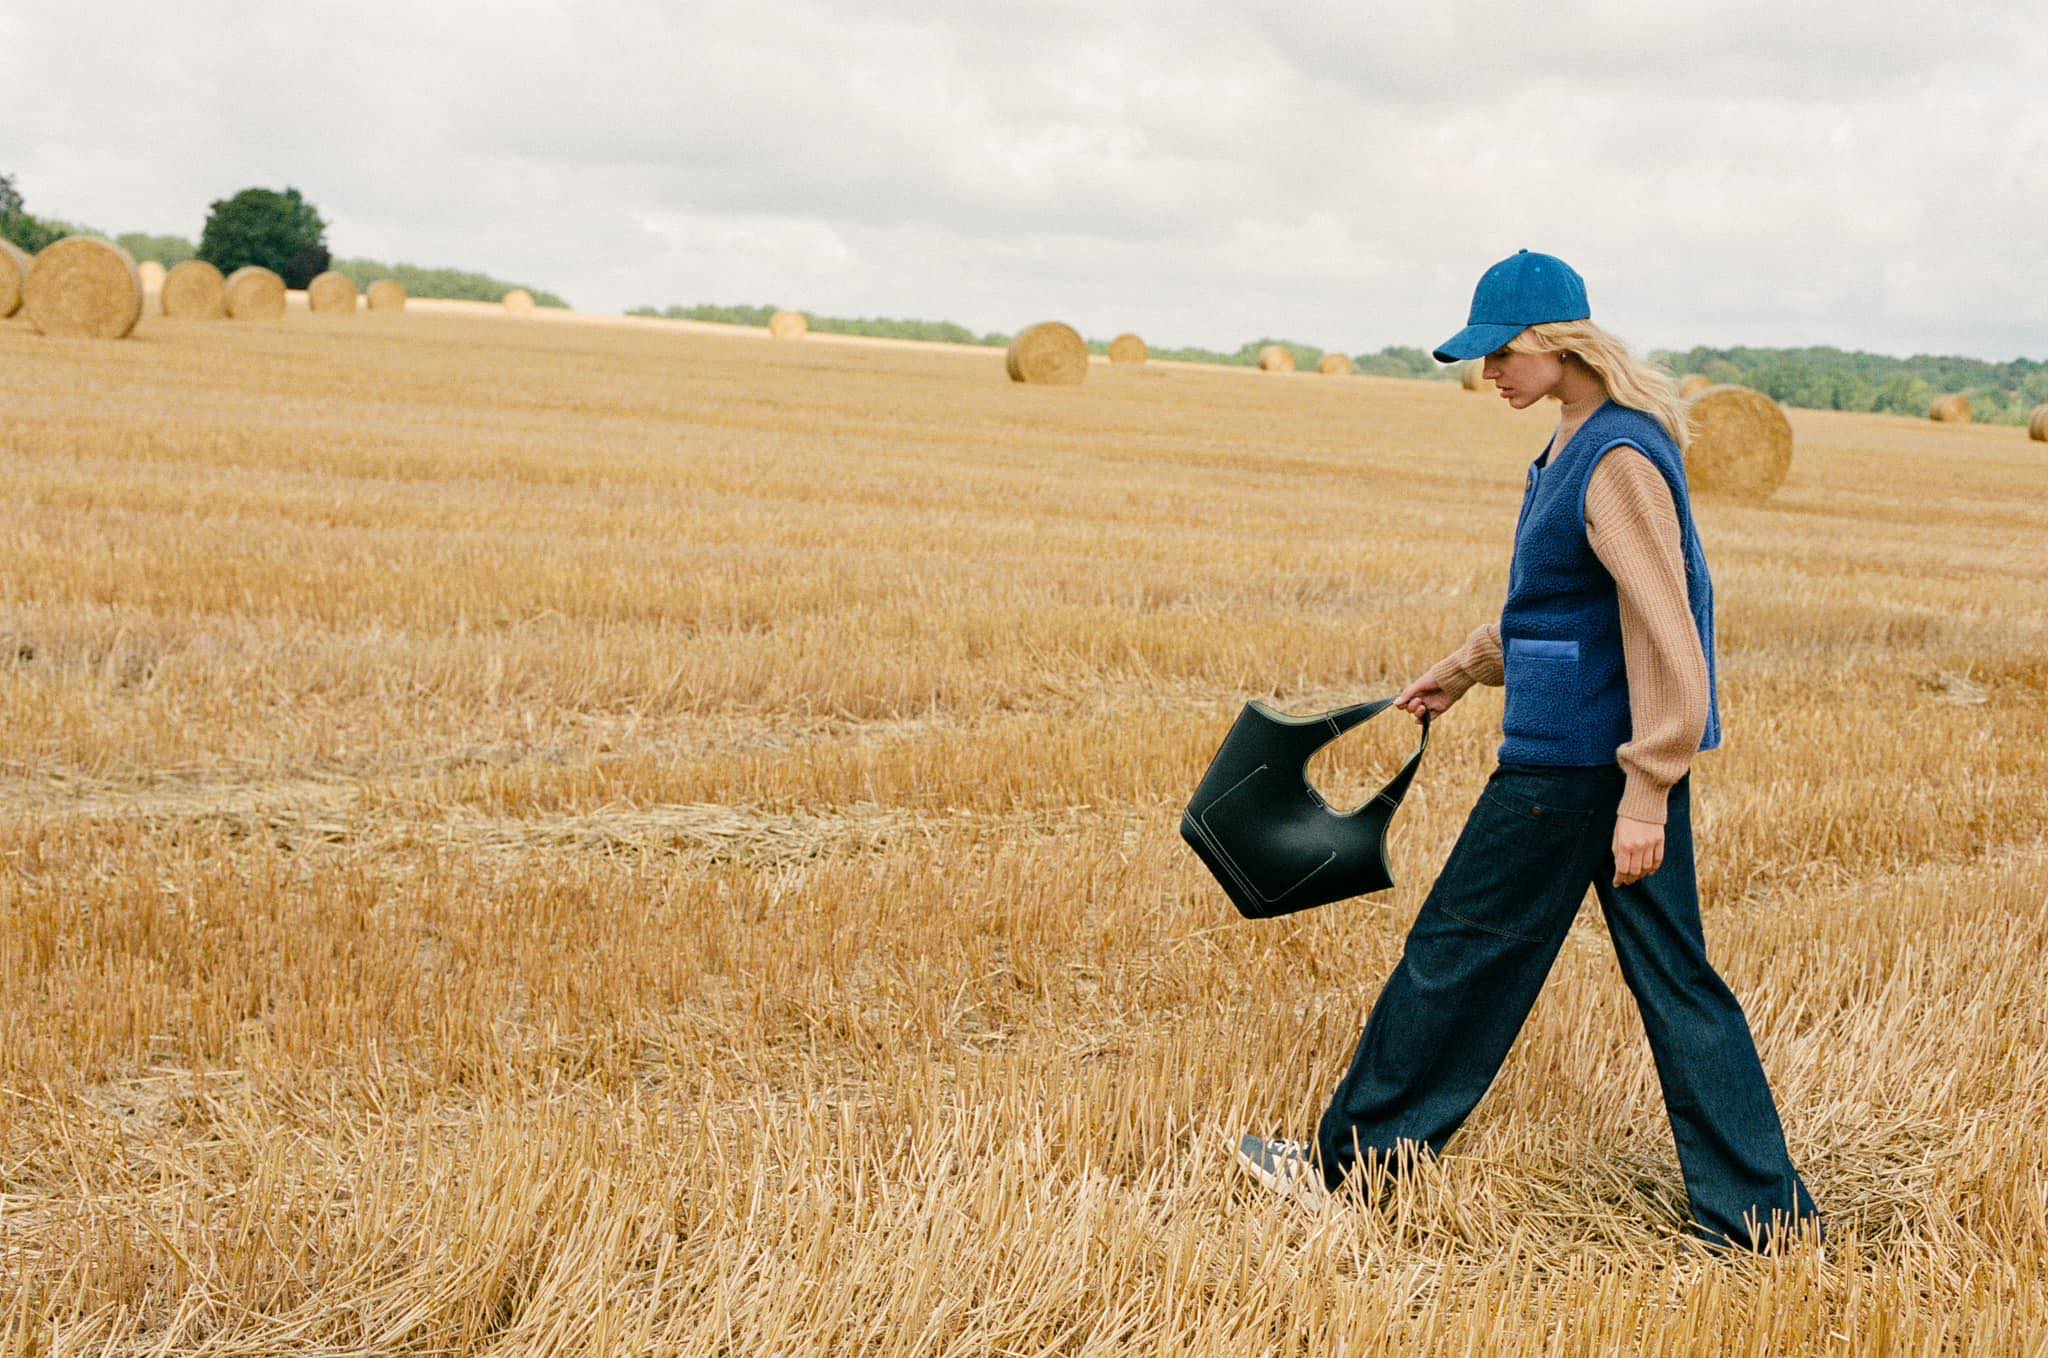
1422	695
1633	862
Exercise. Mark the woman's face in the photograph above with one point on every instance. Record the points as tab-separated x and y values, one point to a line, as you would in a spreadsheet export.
1522	379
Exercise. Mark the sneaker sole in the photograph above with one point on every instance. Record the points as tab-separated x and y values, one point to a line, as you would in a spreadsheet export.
1286	1188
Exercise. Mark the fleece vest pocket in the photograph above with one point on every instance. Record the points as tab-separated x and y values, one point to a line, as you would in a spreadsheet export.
1542	677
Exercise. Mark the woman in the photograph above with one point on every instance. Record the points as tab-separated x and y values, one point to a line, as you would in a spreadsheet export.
1610	676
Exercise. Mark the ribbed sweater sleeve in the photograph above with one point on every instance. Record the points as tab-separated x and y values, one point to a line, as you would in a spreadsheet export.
1476	662
1632	526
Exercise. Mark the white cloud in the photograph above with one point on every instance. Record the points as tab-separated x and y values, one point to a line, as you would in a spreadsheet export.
1868	175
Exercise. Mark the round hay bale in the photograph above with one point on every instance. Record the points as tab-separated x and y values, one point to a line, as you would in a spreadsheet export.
519	302
789	325
1050	353
1277	358
195	291
2037	424
152	275
386	294
14	266
1474	376
1693	384
1741	444
1952	409
331	294
1128	348
1334	365
255	293
83	287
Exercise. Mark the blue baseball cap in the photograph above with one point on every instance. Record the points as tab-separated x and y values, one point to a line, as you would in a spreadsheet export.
1522	290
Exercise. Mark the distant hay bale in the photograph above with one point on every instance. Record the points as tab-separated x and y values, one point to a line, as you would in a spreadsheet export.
386	294
1693	385
83	287
2037	424
195	291
1741	444
789	325
152	275
14	266
331	294
1128	348
1277	358
519	302
1473	378
255	294
1953	409
1050	353
1335	365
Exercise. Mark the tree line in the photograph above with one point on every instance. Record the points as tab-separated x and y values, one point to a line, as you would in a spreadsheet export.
276	229
1826	378
1393	361
282	231
1816	377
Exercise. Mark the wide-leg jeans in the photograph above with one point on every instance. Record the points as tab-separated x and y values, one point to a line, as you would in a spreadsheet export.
1479	951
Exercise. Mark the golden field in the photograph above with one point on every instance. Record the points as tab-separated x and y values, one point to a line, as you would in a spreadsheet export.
524	837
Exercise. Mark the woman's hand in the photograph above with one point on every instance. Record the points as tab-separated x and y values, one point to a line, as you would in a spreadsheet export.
1424	693
1638	849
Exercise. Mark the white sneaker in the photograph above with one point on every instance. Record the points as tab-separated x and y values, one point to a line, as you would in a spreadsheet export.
1284	1167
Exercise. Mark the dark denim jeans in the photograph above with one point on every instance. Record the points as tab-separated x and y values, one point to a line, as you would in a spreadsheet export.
1478	953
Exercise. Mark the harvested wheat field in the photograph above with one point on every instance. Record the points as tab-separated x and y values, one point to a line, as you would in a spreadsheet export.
640	839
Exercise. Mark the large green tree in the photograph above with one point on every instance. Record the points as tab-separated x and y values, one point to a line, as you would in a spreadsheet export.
280	231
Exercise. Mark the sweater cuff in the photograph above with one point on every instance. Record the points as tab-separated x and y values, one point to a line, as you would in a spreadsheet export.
1450	678
1642	799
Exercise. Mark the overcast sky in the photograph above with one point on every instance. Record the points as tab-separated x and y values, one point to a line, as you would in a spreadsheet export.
1873	175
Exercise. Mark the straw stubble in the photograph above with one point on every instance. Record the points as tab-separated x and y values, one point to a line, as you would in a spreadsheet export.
503	850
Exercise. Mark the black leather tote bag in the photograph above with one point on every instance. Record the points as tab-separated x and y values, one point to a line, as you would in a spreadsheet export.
1268	835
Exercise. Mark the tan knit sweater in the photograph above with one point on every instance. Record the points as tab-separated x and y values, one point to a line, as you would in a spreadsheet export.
1633	528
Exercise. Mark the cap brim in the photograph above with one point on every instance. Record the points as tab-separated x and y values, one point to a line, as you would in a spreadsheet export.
1476	341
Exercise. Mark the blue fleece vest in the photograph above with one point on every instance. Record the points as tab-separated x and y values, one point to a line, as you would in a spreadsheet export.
1560	630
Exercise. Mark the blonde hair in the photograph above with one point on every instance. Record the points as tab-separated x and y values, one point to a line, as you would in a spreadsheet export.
1630	381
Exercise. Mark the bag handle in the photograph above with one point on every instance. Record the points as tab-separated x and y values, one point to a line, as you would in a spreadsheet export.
1344	718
